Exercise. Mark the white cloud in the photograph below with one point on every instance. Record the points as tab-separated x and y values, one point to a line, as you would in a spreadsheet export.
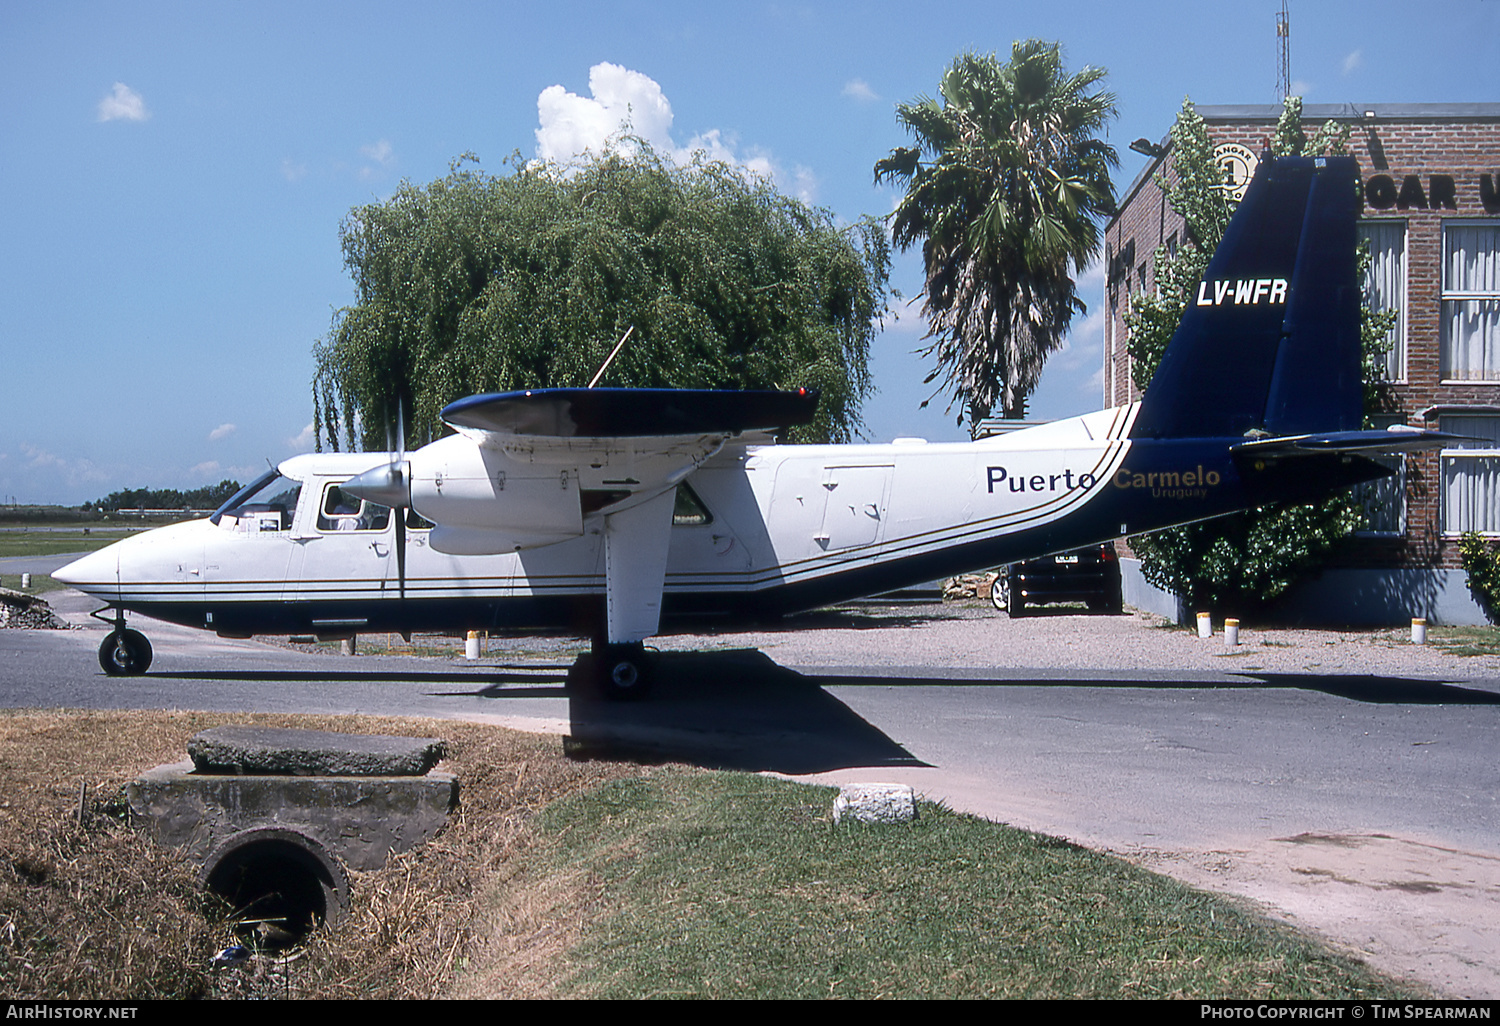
123	104
205	469
622	100
39	464
222	431
303	442
859	89
1353	61
293	171
625	103
379	154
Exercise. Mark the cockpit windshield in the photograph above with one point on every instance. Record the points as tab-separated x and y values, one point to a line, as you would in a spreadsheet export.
271	493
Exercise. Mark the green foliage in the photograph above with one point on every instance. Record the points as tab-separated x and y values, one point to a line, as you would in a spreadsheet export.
480	283
1237	563
1482	564
207	497
1006	186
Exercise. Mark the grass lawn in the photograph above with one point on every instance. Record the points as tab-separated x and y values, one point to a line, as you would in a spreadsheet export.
20	541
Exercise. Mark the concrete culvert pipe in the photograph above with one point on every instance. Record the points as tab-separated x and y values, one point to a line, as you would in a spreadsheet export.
280	883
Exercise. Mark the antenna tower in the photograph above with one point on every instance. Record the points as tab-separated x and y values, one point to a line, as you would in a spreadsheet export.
1284	46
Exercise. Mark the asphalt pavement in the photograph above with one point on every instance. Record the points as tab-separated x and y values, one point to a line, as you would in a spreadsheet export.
1346	780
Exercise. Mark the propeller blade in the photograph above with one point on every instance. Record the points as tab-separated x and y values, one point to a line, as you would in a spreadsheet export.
398	462
401	551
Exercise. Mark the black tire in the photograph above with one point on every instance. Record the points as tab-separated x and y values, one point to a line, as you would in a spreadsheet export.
624	672
1016	602
125	653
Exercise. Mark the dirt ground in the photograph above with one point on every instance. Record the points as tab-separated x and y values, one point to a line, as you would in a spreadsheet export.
1406	906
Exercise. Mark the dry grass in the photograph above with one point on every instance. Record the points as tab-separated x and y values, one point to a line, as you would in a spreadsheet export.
91	909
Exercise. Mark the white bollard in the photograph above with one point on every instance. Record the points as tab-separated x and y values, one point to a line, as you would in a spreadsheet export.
1231	633
1205	625
1418	631
471	645
25	581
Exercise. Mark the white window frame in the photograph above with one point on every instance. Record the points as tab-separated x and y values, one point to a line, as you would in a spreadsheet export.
1370	491
1449	295
1452	460
1395	363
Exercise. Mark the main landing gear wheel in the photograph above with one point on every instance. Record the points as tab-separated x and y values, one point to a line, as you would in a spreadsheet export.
125	653
623	671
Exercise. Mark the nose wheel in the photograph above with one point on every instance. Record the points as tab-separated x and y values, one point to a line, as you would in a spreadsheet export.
125	653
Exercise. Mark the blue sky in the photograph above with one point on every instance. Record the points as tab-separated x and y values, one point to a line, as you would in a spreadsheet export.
174	174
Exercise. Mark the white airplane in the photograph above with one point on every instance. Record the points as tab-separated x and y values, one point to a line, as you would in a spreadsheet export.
617	508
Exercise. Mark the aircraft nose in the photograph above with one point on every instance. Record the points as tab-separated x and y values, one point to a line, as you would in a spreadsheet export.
94	573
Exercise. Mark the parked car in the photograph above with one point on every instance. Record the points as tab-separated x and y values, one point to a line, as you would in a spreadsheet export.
1090	575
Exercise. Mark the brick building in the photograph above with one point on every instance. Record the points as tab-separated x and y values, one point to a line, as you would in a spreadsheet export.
1431	185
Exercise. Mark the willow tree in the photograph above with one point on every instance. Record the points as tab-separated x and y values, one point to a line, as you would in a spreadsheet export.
1006	188
480	283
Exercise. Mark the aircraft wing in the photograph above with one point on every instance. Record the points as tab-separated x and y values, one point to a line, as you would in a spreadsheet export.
629	412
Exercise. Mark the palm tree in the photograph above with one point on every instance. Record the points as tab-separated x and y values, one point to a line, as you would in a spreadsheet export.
1005	186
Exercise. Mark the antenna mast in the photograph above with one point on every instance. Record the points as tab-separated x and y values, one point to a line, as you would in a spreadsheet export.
1284	45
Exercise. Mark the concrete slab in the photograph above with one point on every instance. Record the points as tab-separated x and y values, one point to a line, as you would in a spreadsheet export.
359	819
309	753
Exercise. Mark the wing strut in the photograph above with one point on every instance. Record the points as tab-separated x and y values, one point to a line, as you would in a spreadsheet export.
635	568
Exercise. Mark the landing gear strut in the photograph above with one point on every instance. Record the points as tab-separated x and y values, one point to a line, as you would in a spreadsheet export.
124	652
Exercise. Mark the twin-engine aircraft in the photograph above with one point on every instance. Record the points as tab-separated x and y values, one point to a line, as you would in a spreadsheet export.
619	508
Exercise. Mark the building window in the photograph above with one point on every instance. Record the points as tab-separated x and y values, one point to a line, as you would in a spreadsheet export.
1385	286
1471	475
1471	301
1384	501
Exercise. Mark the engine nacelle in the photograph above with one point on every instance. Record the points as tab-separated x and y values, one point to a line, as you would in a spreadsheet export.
483	501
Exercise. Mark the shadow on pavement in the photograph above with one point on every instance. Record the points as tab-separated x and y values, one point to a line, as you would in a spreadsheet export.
1357	687
730	710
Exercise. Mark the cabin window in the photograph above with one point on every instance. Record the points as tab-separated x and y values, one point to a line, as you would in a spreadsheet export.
688	510
1470	319
270	502
1384	286
344	512
1471	475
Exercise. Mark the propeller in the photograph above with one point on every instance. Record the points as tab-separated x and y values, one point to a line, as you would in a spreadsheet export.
390	485
400	469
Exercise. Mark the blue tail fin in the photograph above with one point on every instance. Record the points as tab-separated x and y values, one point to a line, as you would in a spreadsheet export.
1270	342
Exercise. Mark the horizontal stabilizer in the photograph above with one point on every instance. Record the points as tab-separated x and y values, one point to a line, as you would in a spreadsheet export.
1390	442
630	412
